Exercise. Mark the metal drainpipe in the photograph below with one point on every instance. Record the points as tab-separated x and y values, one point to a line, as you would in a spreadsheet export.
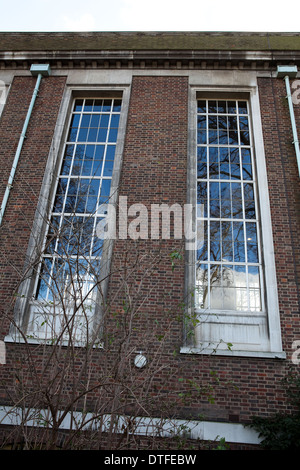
288	72
39	71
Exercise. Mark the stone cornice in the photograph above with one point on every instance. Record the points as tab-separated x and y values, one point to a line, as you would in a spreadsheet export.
170	50
150	59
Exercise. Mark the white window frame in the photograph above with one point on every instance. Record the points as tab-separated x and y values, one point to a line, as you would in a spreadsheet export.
232	333
19	329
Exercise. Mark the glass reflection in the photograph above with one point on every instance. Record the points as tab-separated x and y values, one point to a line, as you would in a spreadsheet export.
237	202
252	248
228	277
225	200
238	242
215	241
249	201
227	241
202	286
212	106
225	287
201	106
83	184
214	204
202	195
202	245
254	288
202	162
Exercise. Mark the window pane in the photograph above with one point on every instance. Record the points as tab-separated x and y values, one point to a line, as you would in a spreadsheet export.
238	242
98	241
72	134
53	232
245	138
225	200
215	280
108	167
113	133
222	107
212	107
202	162
230	246
201	106
105	191
247	172
97	168
107	106
214	162
249	201
202	286
223	123
227	242
252	248
243	107
95	120
88	105
237	202
215	241
99	153
202	195
67	161
254	288
71	239
44	282
201	137
201	122
214	200
85	120
202	246
231	107
234	156
102	135
78	105
92	134
213	137
117	106
87	168
229	292
97	106
240	282
115	118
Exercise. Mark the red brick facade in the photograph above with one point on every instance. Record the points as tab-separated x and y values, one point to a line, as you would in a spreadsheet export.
154	171
21	207
284	197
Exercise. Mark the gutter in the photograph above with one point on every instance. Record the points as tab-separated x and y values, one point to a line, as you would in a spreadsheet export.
39	71
288	72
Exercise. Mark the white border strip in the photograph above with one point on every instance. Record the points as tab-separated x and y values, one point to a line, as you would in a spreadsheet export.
203	430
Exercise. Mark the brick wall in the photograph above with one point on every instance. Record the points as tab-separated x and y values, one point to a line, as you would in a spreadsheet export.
153	172
21	207
147	176
284	192
145	293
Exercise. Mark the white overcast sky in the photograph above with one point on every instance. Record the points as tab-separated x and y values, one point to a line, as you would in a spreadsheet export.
150	15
